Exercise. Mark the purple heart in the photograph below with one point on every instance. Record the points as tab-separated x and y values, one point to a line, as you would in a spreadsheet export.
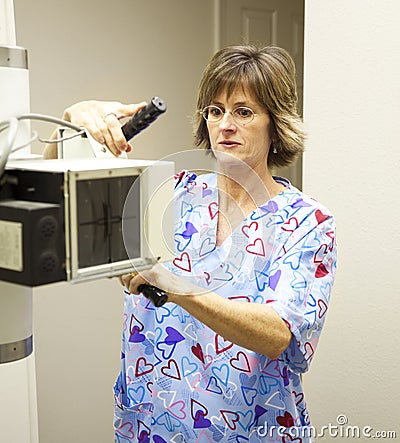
189	231
285	376
136	336
206	192
300	203
271	206
158	439
259	411
200	421
144	437
173	336
274	279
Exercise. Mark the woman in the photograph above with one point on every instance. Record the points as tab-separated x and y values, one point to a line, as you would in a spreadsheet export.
248	289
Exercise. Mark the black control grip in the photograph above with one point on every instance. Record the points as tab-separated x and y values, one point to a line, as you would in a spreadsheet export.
157	296
143	118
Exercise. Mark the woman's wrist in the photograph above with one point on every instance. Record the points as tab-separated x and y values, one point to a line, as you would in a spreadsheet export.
189	296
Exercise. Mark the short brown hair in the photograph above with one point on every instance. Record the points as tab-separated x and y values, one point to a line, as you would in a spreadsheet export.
269	73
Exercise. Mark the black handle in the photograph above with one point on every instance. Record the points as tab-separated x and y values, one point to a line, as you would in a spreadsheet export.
157	296
142	119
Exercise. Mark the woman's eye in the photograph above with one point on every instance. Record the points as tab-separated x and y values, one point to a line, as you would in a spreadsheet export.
243	112
215	112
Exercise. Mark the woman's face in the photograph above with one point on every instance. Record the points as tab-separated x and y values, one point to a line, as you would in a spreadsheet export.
248	142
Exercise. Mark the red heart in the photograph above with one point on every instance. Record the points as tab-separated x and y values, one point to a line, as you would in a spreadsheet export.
221	347
320	216
137	321
308	350
213	209
198	352
286	420
126	430
240	362
142	429
183	262
231	418
253	226
300	395
331	235
319	255
145	367
256	248
323	307
290	225
171	372
271	368
321	271
199	408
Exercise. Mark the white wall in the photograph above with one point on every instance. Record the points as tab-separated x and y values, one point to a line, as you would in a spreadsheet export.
127	50
352	164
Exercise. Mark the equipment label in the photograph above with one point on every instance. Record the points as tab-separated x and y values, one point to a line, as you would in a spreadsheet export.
11	245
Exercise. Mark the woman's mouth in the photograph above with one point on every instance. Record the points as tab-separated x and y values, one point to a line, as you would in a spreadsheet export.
229	144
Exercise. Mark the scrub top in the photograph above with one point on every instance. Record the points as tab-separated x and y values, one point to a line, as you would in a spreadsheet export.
182	382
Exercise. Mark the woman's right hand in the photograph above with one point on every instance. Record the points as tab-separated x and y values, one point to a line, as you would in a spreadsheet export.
102	120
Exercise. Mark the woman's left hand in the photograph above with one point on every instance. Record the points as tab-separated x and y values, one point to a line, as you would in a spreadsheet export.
162	278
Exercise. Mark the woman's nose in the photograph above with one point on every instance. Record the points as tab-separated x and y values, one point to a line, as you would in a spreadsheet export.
227	122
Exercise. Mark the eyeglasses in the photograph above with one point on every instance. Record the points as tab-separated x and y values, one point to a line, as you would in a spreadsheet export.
242	115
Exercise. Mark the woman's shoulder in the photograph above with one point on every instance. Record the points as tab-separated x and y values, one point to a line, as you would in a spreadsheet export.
302	221
293	199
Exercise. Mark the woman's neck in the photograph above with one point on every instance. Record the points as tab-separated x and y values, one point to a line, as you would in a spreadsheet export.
239	193
246	188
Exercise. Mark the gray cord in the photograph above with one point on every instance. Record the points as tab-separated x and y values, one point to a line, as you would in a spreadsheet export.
35	136
12	125
61	139
50	119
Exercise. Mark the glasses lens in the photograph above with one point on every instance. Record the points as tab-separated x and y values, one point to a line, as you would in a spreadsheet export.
212	113
243	115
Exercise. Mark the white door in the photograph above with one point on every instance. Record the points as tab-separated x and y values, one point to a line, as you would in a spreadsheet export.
262	23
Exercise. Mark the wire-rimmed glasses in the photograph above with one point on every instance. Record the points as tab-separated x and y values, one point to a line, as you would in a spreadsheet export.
242	114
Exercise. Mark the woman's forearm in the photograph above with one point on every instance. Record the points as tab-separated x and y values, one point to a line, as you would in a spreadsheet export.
251	325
